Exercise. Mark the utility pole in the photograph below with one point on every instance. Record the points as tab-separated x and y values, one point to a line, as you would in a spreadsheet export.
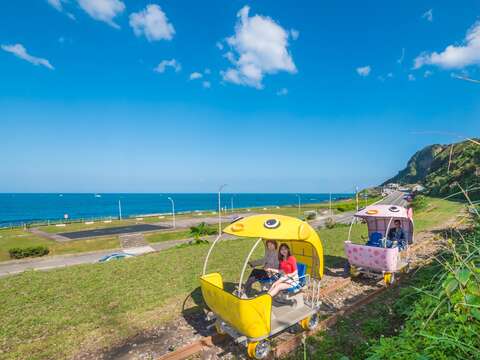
356	196
119	210
220	209
173	210
330	205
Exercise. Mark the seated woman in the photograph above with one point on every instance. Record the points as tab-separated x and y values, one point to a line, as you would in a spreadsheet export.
268	262
288	271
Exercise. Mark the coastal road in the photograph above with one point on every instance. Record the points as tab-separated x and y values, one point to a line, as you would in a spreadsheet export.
57	261
51	262
394	198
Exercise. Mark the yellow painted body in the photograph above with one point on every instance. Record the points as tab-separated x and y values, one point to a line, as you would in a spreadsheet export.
251	317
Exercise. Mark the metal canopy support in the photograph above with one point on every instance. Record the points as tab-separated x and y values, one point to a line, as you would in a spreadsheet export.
246	263
350	229
209	252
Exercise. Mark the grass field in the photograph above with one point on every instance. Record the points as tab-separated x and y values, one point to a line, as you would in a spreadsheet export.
54	314
11	238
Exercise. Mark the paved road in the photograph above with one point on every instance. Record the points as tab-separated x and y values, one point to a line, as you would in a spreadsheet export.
117	230
212	220
51	262
395	198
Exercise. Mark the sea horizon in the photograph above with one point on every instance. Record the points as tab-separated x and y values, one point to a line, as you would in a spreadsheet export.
18	208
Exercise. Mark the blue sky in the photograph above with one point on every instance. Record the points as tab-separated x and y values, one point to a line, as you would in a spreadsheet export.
267	96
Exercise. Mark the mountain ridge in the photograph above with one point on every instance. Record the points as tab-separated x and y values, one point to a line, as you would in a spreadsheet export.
440	167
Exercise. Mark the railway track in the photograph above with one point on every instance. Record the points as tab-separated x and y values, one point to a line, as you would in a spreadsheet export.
340	298
288	342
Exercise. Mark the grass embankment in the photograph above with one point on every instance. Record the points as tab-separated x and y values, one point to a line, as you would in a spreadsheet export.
54	314
50	314
431	315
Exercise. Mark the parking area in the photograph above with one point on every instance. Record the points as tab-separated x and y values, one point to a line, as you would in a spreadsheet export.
113	231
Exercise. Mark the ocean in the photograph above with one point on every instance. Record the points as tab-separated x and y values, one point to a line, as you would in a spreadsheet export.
29	208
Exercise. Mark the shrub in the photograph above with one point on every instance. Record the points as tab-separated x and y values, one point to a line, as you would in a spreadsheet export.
310	215
419	202
202	229
330	223
31	251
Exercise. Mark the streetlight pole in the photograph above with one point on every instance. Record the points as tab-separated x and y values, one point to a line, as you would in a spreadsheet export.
330	204
119	210
173	210
356	196
299	204
220	209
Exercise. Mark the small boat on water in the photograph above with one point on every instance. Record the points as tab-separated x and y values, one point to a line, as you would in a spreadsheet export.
98	195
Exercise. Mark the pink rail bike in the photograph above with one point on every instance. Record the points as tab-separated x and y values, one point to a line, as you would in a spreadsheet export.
386	258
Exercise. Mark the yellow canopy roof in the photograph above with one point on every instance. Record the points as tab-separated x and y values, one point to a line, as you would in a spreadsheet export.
278	227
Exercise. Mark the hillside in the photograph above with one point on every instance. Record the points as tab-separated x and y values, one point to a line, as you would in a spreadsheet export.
433	168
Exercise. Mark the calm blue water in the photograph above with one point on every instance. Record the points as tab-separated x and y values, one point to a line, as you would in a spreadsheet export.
19	208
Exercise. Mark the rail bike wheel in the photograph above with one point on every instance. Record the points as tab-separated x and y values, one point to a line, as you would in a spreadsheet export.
258	349
310	322
219	328
354	272
389	278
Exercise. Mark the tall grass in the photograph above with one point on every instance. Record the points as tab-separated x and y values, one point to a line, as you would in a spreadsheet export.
444	320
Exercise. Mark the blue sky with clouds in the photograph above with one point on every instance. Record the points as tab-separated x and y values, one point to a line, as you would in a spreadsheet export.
277	96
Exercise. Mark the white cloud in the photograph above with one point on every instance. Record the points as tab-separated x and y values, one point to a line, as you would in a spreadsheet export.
195	75
207	84
57	4
401	58
229	56
20	51
427	73
455	57
390	75
219	45
207	71
153	23
295	34
411	77
282	92
428	15
260	46
168	63
364	70
103	10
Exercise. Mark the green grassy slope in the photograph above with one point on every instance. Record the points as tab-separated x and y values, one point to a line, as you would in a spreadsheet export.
54	314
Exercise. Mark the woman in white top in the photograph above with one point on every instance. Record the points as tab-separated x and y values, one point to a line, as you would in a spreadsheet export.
268	262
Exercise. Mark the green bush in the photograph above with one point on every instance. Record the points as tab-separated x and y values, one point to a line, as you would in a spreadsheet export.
31	251
330	223
419	202
202	229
